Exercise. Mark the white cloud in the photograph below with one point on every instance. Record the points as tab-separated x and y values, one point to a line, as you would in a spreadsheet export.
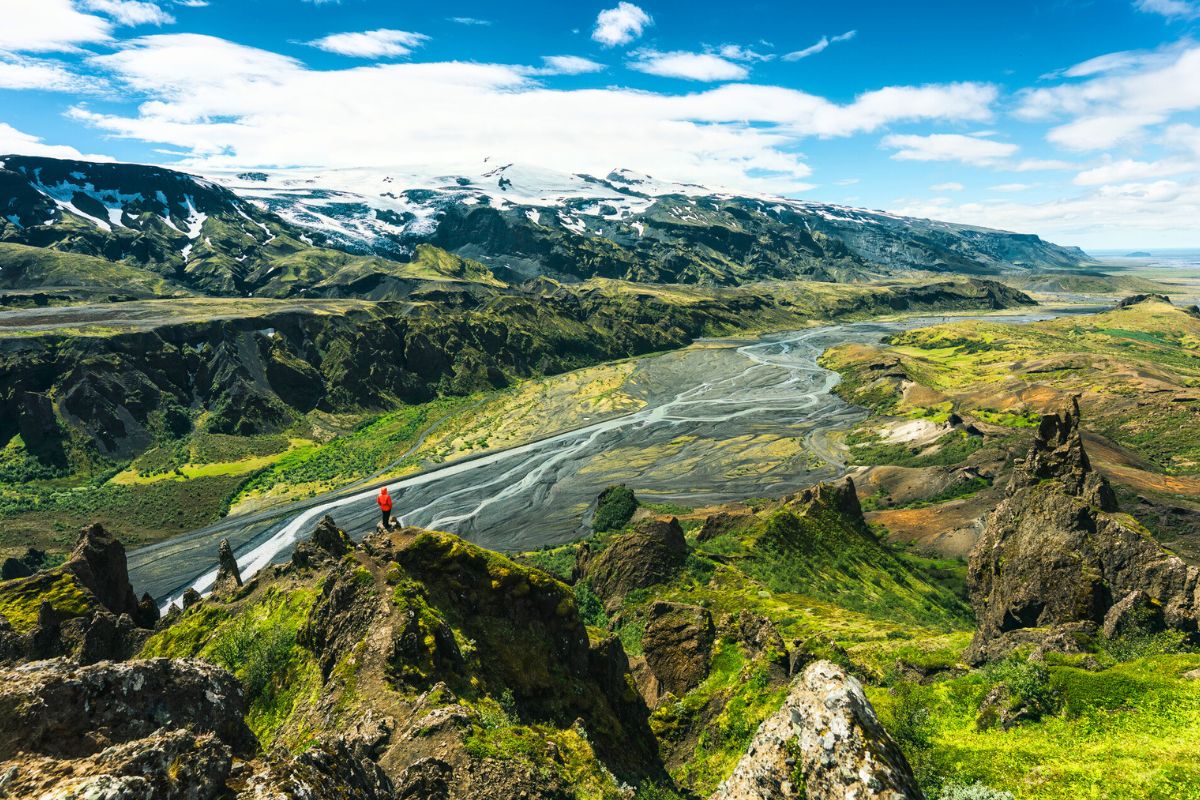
39	26
846	182
1102	130
951	186
1181	9
689	66
1183	137
737	52
1126	170
949	147
47	75
225	104
820	46
15	142
620	25
192	3
569	65
1042	165
381	43
1160	213
129	12
1126	94
1012	187
470	21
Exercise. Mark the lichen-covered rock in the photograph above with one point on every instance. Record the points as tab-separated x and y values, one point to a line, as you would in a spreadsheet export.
1136	613
84	608
166	765
58	708
825	743
98	562
328	769
652	553
328	541
229	577
678	644
722	522
1055	552
761	639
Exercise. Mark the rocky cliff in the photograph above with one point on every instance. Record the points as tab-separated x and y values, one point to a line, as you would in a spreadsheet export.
257	369
1058	560
85	608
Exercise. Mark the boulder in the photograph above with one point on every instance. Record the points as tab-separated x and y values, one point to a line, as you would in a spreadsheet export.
59	709
722	522
677	645
1135	614
190	597
1055	552
166	765
328	541
327	769
825	743
761	639
652	553
229	577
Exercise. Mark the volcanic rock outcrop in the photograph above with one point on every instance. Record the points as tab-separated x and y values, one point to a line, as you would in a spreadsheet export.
651	553
85	608
825	743
1057	556
156	728
229	577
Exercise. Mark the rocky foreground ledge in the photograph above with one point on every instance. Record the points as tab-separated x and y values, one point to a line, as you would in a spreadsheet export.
826	742
412	665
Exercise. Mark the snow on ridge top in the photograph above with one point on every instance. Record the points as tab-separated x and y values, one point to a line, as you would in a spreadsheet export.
503	182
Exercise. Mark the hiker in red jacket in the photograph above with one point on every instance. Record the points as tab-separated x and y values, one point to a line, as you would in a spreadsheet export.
385	505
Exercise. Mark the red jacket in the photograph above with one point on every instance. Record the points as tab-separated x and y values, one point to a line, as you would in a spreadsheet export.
384	500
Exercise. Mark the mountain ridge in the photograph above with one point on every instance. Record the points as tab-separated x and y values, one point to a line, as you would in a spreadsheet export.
306	233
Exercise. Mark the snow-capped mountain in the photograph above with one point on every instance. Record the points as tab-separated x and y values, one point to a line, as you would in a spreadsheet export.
527	220
297	231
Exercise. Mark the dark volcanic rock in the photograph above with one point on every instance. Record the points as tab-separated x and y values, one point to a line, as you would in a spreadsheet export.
761	638
653	552
677	644
1054	552
229	577
328	769
98	562
327	541
1134	300
1136	613
62	710
828	733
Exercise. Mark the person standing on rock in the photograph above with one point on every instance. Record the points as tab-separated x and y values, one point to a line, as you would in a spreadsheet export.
385	506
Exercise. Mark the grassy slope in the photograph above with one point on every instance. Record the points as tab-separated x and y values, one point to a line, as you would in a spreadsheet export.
827	586
23	267
1137	371
1131	729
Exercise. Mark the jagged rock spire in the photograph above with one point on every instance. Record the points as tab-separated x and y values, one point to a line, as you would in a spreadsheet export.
229	577
1053	559
1058	454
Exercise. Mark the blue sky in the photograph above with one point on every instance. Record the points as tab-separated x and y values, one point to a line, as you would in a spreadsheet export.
1079	121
